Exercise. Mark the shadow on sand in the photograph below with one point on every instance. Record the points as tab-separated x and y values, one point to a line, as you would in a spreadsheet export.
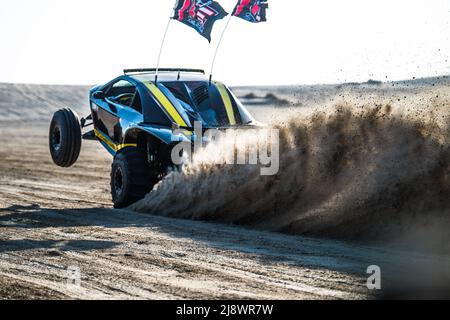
266	247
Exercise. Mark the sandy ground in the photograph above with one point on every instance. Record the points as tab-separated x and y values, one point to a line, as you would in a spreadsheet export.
54	219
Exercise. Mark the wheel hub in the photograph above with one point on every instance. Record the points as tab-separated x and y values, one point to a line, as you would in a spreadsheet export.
118	181
56	138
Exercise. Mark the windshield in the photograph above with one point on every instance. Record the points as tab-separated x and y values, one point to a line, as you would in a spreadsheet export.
213	105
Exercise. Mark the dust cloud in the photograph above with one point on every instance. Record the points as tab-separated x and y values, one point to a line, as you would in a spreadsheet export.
363	167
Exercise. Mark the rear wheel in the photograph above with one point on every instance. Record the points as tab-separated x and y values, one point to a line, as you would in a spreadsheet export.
131	177
65	137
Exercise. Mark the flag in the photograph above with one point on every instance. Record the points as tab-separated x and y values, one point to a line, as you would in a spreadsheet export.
251	10
199	14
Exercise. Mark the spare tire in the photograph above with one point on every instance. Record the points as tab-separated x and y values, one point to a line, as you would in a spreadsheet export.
65	137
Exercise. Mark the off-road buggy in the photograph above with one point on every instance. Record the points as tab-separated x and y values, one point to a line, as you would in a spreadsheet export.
135	116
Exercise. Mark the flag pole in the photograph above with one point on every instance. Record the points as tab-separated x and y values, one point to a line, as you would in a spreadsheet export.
217	49
162	43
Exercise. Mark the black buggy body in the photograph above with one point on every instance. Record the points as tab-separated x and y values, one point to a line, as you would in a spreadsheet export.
135	116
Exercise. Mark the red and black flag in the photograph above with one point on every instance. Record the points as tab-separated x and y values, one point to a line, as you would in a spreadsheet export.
251	10
199	14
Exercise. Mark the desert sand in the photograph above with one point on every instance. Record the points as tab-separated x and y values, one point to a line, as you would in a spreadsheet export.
364	180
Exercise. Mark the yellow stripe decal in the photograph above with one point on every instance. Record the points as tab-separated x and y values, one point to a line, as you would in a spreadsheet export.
103	138
110	144
227	102
171	110
121	146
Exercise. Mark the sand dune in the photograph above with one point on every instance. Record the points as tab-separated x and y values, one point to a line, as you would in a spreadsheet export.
26	103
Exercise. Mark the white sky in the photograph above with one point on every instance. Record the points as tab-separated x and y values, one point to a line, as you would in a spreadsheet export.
304	41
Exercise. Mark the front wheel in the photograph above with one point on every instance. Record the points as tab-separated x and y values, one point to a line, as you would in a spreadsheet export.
131	177
65	137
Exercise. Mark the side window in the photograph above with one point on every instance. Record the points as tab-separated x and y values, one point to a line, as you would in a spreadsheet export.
136	103
121	92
